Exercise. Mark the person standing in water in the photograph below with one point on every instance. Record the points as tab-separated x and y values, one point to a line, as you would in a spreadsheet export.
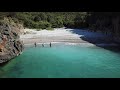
50	44
35	44
42	45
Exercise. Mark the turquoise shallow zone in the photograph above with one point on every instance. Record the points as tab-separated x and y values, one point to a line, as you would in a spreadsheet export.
63	61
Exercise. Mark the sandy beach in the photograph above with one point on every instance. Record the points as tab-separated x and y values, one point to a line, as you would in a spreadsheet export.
63	35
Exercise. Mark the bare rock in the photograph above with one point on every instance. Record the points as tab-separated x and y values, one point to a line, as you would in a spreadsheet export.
10	46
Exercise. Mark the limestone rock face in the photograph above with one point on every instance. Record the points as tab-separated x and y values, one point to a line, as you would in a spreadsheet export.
10	44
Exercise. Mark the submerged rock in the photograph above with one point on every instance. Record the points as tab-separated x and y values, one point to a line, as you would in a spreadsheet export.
10	44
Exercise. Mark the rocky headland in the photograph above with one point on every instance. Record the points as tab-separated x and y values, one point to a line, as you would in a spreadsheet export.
10	44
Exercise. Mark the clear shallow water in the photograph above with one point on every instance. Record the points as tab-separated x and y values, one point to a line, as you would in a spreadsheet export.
63	61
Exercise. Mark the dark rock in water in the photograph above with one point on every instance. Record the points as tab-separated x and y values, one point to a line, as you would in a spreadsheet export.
10	45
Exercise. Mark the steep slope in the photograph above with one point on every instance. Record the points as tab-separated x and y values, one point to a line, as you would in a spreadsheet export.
10	45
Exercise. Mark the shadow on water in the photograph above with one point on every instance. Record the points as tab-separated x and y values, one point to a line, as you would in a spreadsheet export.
1	68
3	64
97	38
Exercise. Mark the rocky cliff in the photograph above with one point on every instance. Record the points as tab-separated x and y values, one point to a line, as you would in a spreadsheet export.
10	45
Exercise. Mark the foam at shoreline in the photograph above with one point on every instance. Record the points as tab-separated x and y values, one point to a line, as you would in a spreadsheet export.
68	43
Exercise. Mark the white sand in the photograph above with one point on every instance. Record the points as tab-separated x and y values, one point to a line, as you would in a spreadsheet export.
44	36
59	35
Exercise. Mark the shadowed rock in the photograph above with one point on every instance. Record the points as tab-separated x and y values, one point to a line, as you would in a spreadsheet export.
10	45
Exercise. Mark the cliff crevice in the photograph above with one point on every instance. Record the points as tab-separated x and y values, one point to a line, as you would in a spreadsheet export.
10	44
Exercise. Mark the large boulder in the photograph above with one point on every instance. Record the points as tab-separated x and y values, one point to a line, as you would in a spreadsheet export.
10	44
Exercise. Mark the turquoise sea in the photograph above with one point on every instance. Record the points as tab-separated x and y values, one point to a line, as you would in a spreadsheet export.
63	61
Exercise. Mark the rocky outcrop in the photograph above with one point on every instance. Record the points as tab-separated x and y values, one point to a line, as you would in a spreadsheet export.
10	45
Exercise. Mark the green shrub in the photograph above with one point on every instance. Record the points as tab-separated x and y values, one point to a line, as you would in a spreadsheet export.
50	29
43	25
37	18
38	29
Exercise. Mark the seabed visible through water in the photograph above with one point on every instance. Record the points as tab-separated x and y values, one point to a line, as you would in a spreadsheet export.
63	61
